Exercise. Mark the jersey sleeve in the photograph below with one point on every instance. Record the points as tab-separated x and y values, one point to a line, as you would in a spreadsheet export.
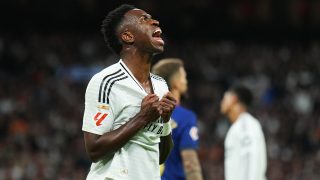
98	117
189	136
250	157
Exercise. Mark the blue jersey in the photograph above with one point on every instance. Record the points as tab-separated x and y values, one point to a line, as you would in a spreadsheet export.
185	136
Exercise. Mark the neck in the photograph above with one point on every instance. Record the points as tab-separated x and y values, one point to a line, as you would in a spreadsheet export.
235	112
138	62
176	94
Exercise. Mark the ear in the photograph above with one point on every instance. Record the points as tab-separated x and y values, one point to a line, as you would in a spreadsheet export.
174	83
175	80
127	37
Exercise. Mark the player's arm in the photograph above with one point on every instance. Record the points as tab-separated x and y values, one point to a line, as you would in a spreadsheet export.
98	146
250	158
165	147
191	164
167	104
188	146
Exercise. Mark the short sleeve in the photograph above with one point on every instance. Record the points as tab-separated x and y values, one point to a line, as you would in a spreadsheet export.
98	117
189	136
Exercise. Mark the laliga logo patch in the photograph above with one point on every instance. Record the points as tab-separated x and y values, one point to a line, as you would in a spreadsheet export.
99	117
194	133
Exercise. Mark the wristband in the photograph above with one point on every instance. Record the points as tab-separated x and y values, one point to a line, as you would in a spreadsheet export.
166	129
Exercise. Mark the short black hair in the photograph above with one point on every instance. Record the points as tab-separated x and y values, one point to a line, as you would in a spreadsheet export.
110	25
243	93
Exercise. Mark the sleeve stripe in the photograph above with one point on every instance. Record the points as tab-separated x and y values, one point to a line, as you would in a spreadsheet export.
106	85
157	77
109	89
102	82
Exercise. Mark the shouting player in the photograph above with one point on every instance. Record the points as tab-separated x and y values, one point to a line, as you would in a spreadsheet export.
127	109
183	161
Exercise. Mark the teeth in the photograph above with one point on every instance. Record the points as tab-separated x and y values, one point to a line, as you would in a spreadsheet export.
157	31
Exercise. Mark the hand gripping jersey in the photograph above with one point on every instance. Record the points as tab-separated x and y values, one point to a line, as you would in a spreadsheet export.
113	96
245	150
185	136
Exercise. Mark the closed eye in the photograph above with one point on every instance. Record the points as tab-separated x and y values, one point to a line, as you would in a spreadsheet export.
146	17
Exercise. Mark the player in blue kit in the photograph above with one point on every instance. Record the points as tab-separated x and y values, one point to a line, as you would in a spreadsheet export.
183	162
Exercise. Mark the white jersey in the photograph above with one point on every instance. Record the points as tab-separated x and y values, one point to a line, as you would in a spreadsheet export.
245	150
113	96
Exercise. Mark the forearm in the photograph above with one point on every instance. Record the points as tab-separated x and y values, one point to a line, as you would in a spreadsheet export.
112	141
194	175
165	147
191	165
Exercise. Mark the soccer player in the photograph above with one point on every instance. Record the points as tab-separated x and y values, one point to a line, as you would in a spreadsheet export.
127	109
245	147
182	162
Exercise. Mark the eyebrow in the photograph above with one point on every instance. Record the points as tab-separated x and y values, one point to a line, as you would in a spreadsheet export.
146	15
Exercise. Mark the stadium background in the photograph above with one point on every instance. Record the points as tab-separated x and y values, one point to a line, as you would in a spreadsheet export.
50	49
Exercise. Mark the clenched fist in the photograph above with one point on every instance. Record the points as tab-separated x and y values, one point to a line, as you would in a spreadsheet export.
167	105
150	107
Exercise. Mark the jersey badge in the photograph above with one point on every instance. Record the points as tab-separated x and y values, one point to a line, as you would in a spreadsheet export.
99	117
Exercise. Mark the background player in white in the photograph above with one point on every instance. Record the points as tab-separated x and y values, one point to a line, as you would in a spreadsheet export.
127	109
183	162
245	147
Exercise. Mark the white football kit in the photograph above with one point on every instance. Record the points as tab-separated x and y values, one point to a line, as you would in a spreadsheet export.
245	150
113	96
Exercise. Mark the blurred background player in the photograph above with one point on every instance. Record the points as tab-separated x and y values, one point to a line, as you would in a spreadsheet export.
183	161
245	147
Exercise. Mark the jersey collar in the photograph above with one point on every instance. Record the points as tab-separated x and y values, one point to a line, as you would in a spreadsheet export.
127	70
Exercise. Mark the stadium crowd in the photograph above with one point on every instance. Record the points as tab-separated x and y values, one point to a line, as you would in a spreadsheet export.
43	79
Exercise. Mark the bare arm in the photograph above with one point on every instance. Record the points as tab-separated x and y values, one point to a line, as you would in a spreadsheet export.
98	146
191	164
165	147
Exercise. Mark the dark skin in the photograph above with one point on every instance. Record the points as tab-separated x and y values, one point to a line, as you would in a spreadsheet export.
139	46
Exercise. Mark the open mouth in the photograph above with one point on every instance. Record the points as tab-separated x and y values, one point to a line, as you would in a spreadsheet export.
156	35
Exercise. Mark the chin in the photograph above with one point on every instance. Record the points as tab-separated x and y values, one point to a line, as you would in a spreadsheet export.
223	111
158	50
